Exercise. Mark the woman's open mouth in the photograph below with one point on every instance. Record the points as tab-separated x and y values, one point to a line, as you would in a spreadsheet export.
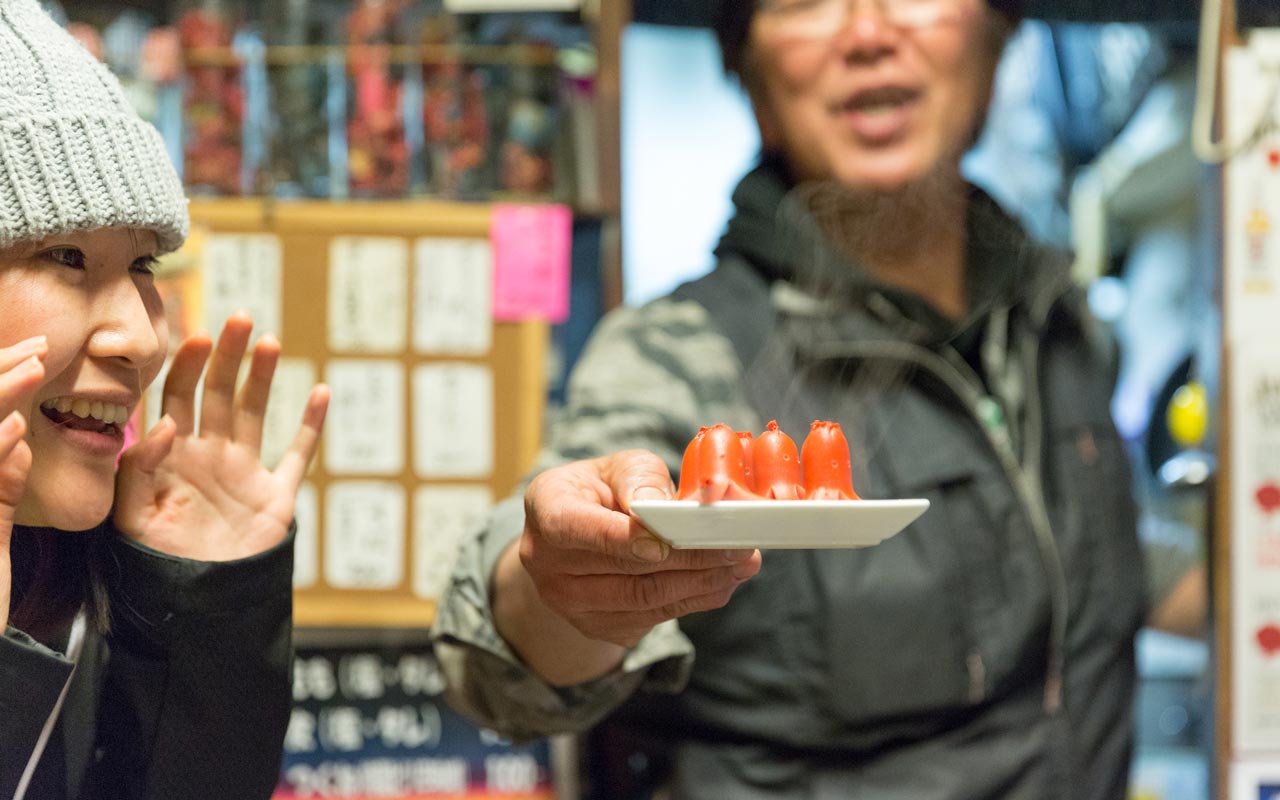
89	416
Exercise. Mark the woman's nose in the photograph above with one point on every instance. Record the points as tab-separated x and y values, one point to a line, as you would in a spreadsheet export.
129	326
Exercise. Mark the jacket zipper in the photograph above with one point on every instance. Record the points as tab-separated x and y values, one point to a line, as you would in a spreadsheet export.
1027	487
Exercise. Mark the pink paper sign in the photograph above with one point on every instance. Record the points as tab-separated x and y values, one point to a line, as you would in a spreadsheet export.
531	262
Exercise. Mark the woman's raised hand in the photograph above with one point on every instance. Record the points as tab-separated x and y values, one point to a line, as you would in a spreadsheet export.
21	370
203	493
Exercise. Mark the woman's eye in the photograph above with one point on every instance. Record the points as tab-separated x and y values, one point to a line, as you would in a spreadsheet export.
67	257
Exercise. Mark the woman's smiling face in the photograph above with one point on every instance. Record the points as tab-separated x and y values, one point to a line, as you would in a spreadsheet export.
93	296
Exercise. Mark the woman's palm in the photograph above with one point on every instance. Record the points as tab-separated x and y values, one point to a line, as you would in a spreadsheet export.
219	488
205	494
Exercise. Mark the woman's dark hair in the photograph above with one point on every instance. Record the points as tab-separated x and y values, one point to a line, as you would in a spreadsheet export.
731	20
55	575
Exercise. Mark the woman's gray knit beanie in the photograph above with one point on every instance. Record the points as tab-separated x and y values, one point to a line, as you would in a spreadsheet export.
74	155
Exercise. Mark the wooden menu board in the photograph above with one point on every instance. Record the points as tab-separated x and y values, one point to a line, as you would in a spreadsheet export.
394	484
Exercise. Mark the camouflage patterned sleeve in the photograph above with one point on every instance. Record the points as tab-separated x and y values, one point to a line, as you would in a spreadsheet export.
648	379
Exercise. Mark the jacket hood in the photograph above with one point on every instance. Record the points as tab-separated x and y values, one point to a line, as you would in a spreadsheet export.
751	233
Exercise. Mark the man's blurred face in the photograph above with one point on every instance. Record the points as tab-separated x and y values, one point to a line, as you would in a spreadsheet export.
871	95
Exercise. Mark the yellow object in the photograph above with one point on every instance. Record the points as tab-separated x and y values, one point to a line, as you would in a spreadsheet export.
1258	223
1188	414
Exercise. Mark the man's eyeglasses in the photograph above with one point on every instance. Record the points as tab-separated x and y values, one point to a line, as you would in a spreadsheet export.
822	18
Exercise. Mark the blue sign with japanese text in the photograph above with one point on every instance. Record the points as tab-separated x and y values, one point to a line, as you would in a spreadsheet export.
371	723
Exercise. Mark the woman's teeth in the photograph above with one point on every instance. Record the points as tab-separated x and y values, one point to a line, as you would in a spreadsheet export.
107	413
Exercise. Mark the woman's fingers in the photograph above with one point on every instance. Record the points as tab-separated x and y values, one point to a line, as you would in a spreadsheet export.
13	478
217	402
14	355
13	466
12	429
293	465
180	385
20	373
19	381
251	404
237	415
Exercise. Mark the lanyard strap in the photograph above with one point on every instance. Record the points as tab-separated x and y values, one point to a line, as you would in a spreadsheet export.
75	642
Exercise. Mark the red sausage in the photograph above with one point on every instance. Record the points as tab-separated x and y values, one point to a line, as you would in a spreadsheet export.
777	465
690	475
828	473
722	468
748	459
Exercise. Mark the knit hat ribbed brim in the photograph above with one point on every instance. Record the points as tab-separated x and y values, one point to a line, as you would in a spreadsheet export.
74	155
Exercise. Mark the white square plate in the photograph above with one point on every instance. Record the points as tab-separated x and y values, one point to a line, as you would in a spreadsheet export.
777	524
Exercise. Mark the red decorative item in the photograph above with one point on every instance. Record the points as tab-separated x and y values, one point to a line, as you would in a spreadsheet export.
213	105
828	472
1268	637
377	152
777	465
1268	497
455	114
1273	157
